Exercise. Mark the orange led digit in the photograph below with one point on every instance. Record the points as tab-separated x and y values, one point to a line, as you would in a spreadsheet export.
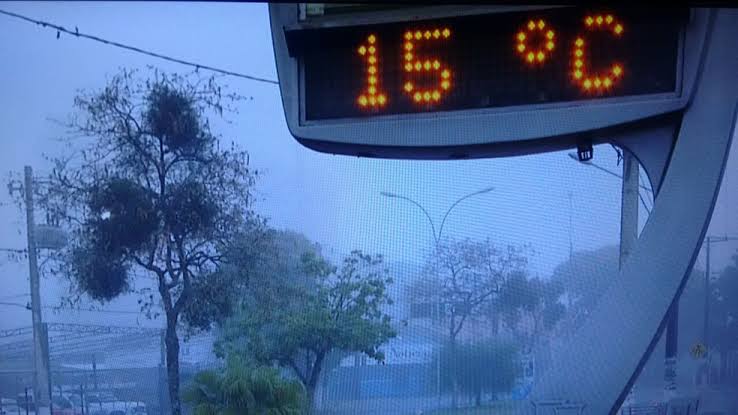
414	64
594	81
528	53
372	96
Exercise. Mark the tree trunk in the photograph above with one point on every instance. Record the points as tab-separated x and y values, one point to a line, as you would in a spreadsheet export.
311	398
454	374
312	382
172	342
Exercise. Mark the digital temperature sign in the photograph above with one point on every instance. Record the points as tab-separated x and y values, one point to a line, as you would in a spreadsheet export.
489	60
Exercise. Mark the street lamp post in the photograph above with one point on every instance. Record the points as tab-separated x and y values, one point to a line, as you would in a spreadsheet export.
437	241
437	236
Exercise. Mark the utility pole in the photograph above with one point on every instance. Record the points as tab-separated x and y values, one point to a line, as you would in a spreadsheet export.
709	240
706	314
571	241
41	382
629	219
629	207
671	352
628	238
670	355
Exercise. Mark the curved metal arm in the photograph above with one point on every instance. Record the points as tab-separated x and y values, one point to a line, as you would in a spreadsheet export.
598	167
440	230
589	163
433	227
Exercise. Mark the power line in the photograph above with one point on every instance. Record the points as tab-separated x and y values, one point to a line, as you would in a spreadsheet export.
6	297
73	309
77	33
12	250
14	305
93	310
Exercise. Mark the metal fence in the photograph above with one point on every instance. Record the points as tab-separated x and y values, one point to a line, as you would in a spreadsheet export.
88	365
730	374
96	367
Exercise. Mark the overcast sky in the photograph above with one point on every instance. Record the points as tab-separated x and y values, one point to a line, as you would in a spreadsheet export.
334	200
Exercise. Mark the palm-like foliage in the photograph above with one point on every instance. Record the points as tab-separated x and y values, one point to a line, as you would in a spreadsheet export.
243	389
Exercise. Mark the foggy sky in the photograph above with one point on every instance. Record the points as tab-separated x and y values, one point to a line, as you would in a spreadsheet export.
332	199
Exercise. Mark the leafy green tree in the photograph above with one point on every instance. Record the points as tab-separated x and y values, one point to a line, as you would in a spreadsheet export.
243	389
150	191
584	278
253	259
532	298
299	323
481	367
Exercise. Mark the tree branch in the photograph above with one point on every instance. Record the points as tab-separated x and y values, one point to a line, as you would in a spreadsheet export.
174	273
291	363
186	279
166	296
317	367
149	265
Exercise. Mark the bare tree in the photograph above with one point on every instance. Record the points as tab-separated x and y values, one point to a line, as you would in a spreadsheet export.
462	277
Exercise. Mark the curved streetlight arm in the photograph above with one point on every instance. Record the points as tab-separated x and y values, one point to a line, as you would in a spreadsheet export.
589	163
443	221
433	227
